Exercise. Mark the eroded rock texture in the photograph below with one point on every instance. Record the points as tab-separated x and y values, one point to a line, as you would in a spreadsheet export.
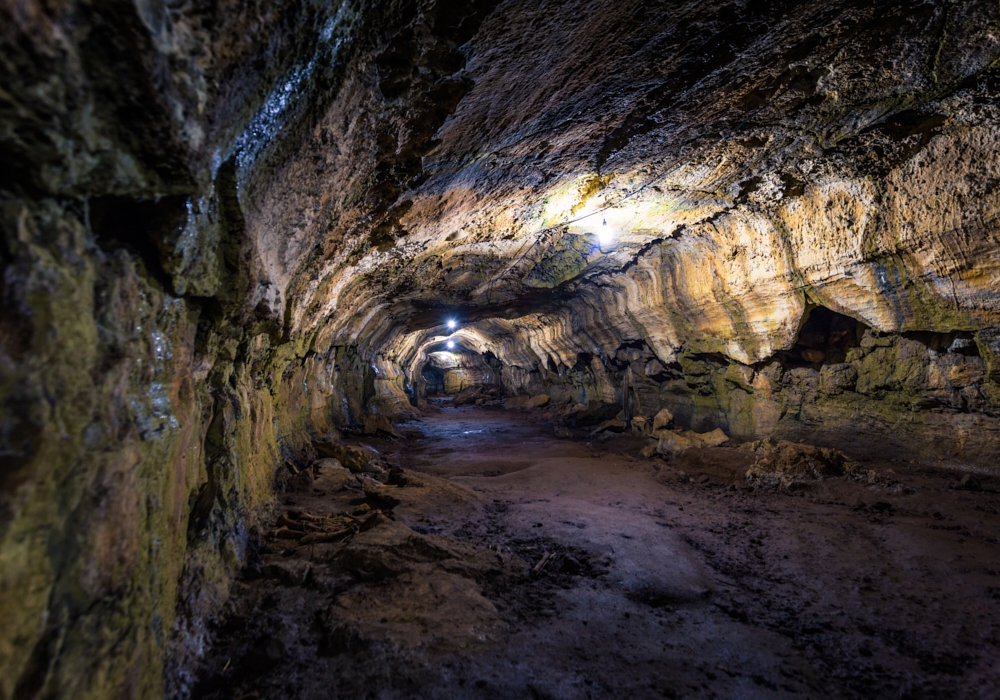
231	227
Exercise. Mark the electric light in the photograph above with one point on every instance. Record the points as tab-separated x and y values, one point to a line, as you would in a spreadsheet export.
452	324
606	236
451	344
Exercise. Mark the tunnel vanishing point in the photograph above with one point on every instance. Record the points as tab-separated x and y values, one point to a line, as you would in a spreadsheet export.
315	312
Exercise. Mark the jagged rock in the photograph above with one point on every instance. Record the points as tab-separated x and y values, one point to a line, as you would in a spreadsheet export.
662	419
378	423
838	378
671	443
614	425
788	464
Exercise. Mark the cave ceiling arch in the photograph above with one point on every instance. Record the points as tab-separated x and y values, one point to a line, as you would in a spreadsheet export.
747	170
230	230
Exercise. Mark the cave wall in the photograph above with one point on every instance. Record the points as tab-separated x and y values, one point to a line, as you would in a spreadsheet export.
913	396
462	370
151	385
230	227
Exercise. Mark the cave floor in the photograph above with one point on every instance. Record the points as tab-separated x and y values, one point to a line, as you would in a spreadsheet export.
659	579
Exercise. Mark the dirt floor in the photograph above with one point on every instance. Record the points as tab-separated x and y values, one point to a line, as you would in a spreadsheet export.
505	562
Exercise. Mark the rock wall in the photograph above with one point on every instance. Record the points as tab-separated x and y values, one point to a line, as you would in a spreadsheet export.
151	385
458	371
914	396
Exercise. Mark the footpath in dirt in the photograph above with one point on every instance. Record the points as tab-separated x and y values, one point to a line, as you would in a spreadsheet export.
477	555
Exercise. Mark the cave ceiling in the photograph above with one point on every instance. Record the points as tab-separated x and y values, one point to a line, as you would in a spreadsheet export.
390	165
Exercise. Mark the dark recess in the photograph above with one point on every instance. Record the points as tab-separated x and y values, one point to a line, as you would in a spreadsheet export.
139	226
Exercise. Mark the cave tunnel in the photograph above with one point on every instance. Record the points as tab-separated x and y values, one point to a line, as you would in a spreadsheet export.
453	349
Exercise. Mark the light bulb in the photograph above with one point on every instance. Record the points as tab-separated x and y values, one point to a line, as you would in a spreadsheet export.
451	344
606	236
452	324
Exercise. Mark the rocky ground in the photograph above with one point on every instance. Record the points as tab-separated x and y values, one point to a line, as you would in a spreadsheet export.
496	560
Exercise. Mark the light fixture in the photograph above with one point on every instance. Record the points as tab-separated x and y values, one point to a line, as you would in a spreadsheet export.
452	324
606	236
451	344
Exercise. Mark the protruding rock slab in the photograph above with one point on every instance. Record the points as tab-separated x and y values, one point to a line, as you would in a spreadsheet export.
357	459
671	443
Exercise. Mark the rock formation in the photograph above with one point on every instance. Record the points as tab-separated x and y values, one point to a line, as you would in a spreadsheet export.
231	228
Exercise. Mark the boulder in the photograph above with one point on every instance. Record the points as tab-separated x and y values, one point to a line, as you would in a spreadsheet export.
516	402
357	459
468	396
538	401
332	476
378	423
671	443
790	464
614	425
662	419
712	439
642	424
